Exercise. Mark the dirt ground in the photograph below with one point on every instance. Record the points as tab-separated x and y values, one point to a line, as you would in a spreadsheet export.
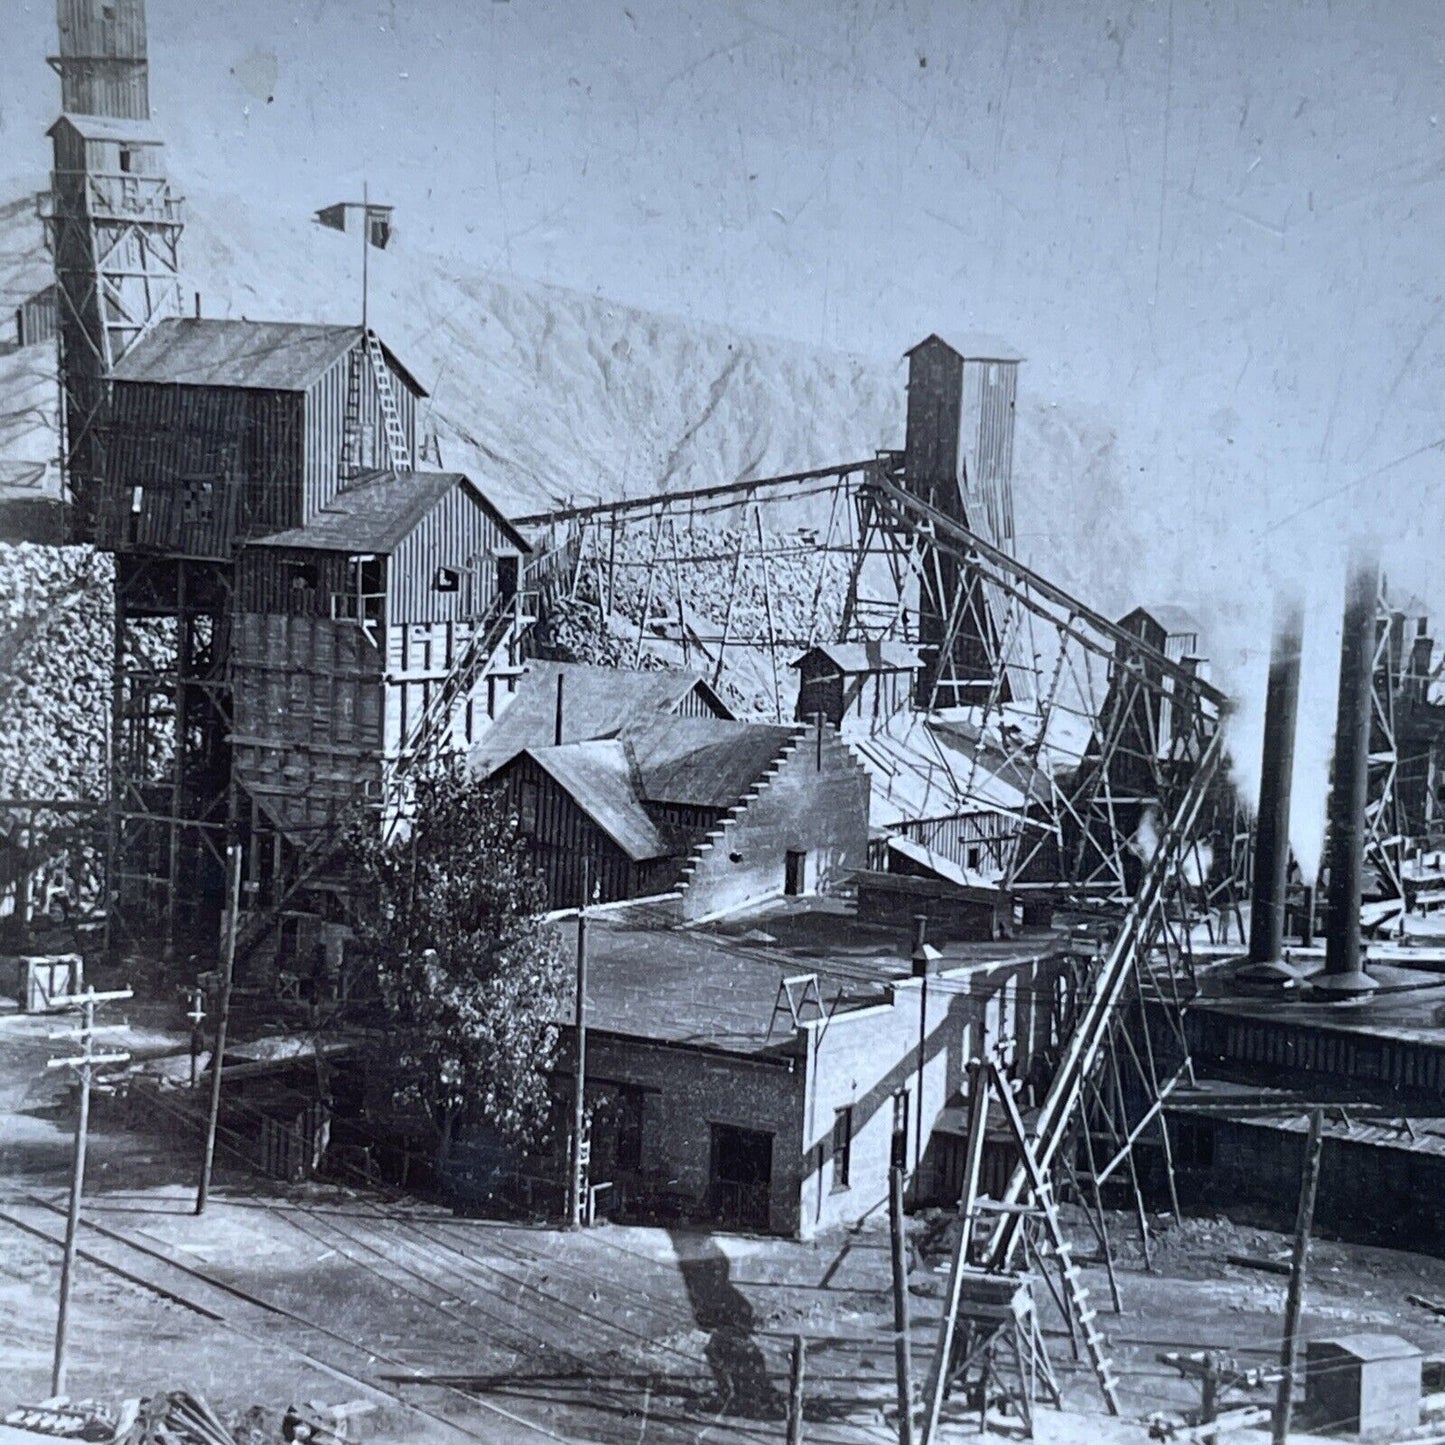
460	1328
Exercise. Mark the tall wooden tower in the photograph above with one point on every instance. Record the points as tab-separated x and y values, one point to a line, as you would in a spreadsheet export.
958	458
112	222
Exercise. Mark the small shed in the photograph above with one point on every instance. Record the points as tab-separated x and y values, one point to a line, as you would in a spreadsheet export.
105	148
1364	1384
350	216
867	680
1167	628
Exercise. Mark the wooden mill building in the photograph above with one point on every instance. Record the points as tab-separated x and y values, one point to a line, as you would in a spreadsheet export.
290	598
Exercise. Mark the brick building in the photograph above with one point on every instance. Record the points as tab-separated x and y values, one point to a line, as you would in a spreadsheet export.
764	1072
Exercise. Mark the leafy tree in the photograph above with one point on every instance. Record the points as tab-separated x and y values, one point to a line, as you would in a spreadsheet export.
469	976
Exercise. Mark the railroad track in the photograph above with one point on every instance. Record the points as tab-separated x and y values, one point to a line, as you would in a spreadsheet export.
265	1323
504	1304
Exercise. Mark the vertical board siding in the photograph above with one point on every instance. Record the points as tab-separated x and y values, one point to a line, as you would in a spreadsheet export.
171	440
565	840
325	408
988	420
326	426
459	533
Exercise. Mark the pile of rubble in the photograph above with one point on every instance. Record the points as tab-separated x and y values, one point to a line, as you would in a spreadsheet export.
178	1417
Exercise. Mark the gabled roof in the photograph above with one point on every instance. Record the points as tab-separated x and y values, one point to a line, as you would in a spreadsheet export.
104	127
871	656
597	702
1174	619
249	355
378	511
703	762
598	777
971	346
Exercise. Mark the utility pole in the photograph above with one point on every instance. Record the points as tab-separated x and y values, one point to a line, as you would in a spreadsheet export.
1294	1301
229	924
924	957
902	1345
580	1150
795	1391
197	1016
85	1065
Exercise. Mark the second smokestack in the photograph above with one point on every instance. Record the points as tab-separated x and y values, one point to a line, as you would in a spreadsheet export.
1350	777
1271	847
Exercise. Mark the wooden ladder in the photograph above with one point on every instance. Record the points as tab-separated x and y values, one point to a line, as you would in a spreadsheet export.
396	443
351	421
1076	1293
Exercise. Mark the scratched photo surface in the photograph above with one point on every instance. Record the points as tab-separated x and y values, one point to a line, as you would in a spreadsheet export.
721	721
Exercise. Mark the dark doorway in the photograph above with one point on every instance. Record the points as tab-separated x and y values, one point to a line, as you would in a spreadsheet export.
741	1176
795	868
507	577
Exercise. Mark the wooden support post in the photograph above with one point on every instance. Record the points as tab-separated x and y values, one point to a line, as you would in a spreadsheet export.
902	1345
768	613
1209	1396
1294	1300
795	1392
228	963
85	1065
577	1190
942	1366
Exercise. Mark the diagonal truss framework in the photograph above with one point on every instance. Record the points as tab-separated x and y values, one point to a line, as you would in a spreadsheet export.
1101	730
1127	810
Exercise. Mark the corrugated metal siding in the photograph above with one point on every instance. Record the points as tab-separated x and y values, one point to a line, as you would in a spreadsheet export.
174	441
458	533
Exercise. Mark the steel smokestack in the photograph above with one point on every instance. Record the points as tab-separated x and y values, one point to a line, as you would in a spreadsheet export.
1271	845
1350	776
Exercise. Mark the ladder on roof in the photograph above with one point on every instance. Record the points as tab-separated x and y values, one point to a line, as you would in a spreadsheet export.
396	443
351	420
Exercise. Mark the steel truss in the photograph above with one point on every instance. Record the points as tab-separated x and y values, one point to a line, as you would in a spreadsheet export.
1120	750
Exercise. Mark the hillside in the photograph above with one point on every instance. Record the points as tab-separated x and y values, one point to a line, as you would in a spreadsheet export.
543	395
546	395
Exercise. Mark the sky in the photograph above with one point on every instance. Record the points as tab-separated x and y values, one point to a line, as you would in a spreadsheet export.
1213	224
1213	229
